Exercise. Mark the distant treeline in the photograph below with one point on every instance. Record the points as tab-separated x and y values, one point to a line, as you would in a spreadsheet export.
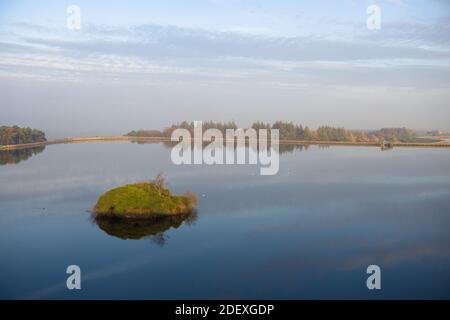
17	135
291	131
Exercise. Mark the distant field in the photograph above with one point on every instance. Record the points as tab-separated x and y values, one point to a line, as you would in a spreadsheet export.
427	140
433	139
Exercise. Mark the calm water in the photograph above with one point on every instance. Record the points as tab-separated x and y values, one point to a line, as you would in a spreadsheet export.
308	232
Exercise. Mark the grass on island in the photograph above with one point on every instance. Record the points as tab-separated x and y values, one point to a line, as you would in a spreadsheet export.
144	200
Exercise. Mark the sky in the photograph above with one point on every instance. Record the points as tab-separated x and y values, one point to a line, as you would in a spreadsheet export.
147	64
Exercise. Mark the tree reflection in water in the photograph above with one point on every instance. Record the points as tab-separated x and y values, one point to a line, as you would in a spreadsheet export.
153	229
16	156
282	149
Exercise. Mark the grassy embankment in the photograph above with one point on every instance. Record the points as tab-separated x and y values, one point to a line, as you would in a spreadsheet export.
79	140
418	143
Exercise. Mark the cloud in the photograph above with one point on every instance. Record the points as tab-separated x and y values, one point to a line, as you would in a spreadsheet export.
400	55
396	41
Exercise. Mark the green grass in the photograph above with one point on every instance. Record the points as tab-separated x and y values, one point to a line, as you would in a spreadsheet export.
143	200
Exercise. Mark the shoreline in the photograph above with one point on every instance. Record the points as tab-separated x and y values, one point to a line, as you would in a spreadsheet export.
166	139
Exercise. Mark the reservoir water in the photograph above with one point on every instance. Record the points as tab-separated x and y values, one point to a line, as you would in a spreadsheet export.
308	232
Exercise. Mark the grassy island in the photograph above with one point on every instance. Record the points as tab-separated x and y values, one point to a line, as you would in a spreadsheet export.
144	200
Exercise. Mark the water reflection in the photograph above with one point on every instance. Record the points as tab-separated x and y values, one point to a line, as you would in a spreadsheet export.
16	156
311	230
153	229
283	148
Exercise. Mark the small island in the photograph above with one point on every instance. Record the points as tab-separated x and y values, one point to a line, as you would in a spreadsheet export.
145	200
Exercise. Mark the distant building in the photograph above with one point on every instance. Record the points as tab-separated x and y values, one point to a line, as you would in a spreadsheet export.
386	145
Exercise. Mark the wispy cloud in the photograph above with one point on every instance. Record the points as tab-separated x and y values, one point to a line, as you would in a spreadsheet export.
400	53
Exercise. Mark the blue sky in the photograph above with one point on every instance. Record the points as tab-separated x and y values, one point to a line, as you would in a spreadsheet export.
141	64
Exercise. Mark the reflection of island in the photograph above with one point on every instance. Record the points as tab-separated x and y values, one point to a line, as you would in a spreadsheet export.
144	228
18	155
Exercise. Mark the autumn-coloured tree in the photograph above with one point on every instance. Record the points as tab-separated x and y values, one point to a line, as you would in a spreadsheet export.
18	135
